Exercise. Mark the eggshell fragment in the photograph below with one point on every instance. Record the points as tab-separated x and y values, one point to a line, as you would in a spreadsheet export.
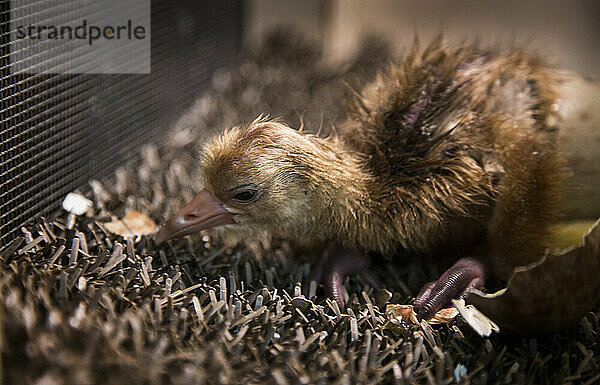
76	204
400	317
401	313
133	224
444	316
475	319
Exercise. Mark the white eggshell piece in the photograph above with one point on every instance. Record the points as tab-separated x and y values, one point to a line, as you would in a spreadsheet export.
76	204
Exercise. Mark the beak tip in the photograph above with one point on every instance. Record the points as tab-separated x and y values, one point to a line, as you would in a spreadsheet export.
203	212
160	237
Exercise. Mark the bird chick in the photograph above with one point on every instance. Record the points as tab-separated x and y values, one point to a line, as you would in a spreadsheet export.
449	152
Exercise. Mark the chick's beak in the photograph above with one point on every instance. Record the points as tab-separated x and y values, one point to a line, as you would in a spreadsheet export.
203	212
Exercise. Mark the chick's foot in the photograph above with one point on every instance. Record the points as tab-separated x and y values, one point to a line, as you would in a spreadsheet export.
335	265
455	283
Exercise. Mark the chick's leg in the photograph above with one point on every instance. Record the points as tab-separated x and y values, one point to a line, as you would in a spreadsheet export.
455	283
334	266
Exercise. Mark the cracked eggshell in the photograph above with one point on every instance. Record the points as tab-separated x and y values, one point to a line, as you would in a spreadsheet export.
550	294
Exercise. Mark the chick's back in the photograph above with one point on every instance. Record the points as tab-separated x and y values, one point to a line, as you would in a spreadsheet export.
465	139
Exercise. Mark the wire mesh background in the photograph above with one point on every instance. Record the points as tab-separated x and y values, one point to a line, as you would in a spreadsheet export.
57	131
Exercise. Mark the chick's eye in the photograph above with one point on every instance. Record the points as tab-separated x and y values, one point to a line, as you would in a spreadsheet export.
245	195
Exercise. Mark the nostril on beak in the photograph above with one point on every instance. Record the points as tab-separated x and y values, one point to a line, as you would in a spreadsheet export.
189	217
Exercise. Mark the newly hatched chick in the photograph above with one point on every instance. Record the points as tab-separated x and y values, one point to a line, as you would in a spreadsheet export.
448	152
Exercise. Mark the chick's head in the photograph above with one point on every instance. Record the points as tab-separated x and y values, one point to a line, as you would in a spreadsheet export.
257	178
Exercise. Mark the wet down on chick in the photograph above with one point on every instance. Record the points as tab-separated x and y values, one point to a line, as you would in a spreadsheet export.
451	151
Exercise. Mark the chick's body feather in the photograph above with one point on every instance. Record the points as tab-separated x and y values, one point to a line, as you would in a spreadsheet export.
458	147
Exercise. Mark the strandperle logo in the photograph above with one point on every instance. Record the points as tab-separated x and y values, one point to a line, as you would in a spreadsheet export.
80	37
90	33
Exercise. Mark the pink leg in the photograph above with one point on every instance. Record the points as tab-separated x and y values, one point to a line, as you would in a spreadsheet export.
335	265
455	283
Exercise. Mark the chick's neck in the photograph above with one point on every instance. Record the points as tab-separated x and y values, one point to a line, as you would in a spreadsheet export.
339	179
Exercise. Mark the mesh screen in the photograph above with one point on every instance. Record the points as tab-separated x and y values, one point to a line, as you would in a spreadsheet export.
57	131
